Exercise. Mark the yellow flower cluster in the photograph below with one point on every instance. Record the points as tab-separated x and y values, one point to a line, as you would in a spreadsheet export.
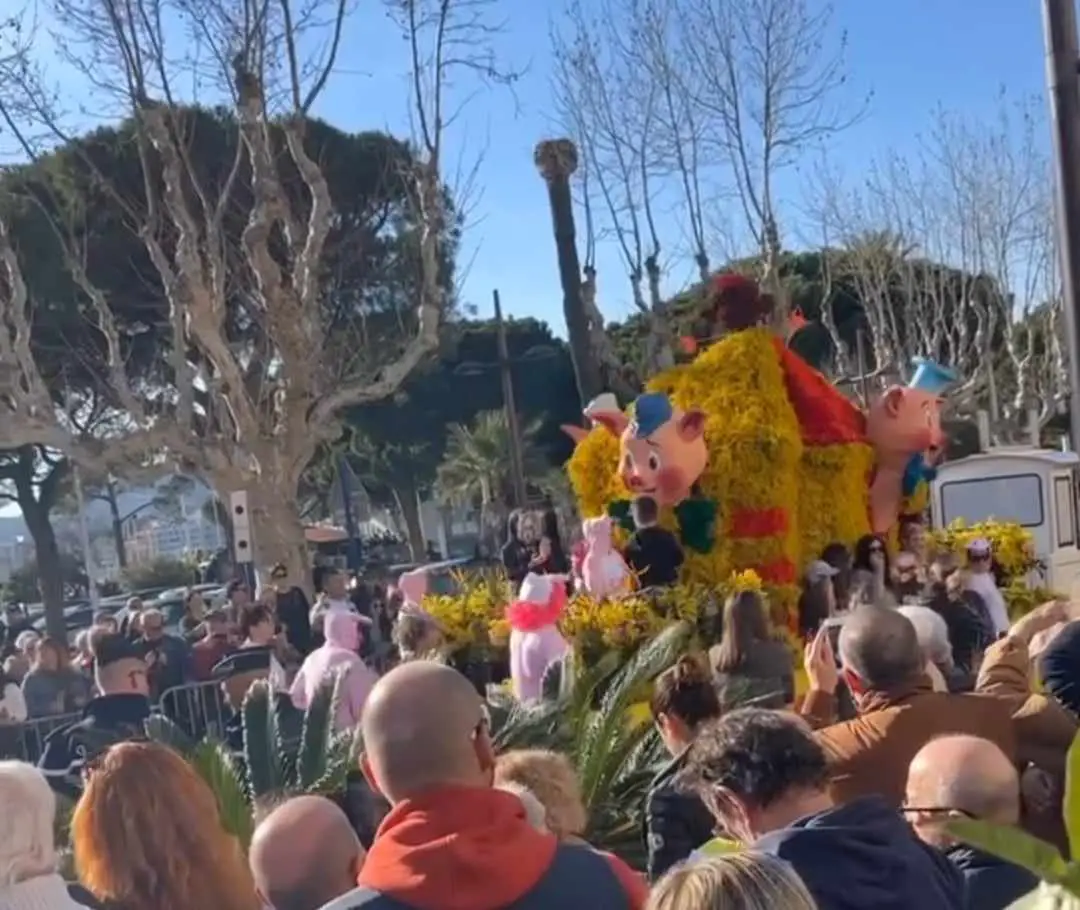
475	615
1012	544
745	581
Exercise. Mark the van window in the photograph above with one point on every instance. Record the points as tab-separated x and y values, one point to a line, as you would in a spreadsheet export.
1016	497
1063	505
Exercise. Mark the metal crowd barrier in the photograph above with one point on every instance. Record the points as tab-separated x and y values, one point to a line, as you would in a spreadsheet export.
199	710
26	741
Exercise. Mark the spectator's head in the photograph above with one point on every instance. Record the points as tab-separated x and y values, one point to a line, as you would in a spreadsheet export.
119	667
134	605
26	643
238	593
551	779
534	809
127	858
107	621
15	669
239	670
960	777
871	555
51	656
217	623
416	635
1059	667
13	613
912	536
932	634
906	574
425	726
27	849
645	511
304	854
279	574
745	624
817	602
82	644
336	584
683	699
194	604
980	556
257	623
758	771
879	652
740	881
153	624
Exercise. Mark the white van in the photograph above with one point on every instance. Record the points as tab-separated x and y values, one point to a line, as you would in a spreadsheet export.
1037	488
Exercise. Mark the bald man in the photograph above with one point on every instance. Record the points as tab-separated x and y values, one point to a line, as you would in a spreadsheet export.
968	777
304	855
883	667
451	841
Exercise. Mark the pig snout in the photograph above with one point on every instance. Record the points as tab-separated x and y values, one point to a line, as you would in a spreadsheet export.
635	482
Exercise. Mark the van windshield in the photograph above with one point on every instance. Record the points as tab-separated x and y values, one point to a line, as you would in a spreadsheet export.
1015	497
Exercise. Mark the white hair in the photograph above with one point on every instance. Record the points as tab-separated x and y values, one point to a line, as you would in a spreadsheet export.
535	812
27	849
152	613
25	639
932	632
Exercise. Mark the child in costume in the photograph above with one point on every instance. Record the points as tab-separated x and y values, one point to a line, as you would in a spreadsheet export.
535	642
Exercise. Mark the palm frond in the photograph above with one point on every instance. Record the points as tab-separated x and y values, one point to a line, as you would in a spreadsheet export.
215	764
163	730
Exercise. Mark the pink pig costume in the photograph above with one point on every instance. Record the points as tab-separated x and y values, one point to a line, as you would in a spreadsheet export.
603	571
535	642
337	655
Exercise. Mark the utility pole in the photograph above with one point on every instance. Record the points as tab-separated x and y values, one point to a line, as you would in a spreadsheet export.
1063	82
517	461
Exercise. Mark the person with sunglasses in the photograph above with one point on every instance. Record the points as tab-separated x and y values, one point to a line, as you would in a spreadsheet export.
871	573
967	777
117	714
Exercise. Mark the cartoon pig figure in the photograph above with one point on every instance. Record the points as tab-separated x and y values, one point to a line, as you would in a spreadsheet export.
904	427
603	571
661	448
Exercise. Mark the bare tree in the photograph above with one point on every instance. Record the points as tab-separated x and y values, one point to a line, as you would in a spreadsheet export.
765	93
249	414
951	252
612	107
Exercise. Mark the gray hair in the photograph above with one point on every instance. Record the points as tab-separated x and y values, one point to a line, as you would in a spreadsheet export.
27	846
749	880
933	634
881	647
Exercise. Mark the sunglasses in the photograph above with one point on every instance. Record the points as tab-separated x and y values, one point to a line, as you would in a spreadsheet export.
941	811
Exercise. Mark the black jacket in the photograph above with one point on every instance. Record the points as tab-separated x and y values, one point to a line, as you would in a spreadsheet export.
655	556
294	613
864	855
676	823
106	721
990	883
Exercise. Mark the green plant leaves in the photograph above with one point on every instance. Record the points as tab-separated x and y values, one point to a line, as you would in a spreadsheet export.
1015	846
1071	807
216	765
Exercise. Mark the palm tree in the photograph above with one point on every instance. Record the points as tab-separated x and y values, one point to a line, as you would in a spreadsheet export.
475	469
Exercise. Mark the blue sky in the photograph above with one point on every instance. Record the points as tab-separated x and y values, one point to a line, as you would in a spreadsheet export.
913	55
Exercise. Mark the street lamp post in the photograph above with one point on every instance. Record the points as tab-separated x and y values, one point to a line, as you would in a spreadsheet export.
1063	82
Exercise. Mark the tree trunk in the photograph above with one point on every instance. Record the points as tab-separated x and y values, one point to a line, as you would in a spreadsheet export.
118	531
408	503
50	569
277	533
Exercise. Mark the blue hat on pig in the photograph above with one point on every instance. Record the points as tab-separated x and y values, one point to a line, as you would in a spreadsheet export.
931	377
650	412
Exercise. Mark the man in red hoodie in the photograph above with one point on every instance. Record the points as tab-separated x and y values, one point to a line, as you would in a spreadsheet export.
451	841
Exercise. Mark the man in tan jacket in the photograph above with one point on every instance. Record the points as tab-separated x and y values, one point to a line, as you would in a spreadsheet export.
899	713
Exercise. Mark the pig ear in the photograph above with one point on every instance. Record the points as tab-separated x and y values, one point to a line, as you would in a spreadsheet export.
892	400
692	425
577	434
612	421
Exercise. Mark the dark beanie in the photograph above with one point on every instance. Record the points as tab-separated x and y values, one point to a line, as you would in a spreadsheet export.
1059	667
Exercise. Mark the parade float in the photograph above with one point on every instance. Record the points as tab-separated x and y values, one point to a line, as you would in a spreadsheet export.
757	462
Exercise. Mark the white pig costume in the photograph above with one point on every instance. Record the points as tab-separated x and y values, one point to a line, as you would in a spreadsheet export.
535	642
603	571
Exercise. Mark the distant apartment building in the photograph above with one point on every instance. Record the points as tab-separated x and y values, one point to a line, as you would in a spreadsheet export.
13	556
147	538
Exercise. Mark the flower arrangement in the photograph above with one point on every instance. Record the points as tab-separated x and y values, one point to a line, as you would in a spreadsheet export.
1012	544
788	465
474	616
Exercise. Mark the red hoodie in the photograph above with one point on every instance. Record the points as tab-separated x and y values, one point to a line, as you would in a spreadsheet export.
466	848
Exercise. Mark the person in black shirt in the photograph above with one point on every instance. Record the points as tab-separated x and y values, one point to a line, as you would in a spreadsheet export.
293	610
515	554
653	553
117	715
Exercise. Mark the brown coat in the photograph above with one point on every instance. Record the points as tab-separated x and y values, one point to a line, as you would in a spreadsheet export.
870	754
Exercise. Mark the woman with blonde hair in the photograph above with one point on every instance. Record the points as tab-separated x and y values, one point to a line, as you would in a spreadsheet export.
738	881
146	836
551	778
